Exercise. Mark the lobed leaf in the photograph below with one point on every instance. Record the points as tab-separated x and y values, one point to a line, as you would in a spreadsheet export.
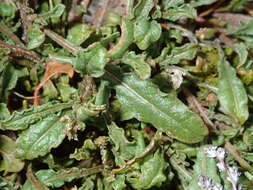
166	113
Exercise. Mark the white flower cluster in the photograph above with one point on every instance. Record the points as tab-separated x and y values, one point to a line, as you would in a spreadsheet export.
206	183
220	154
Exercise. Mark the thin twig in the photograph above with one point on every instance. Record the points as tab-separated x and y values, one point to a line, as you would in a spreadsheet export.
23	5
24	97
232	150
6	31
61	41
185	32
198	107
21	52
136	158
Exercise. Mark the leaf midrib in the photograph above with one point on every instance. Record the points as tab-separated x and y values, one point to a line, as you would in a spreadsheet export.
41	137
227	75
144	100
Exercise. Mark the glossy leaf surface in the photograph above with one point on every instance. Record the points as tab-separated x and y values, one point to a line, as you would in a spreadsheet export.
166	113
40	138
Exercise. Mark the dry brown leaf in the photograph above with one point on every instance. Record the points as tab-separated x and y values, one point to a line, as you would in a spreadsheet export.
52	69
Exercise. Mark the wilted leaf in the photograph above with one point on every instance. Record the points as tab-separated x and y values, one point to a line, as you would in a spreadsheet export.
53	68
231	93
7	149
40	138
137	62
166	113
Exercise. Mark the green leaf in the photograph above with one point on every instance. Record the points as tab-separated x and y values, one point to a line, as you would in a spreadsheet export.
204	166
245	32
137	62
146	32
171	4
102	97
35	36
197	3
8	80
124	149
84	152
185	52
143	8
7	10
7	149
231	93
79	33
32	183
4	112
21	120
91	61
40	138
152	173
54	13
119	183
242	52
8	184
168	114
125	40
177	13
56	179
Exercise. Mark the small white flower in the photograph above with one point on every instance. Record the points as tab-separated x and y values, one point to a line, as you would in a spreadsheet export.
204	181
210	151
221	166
233	174
217	187
221	153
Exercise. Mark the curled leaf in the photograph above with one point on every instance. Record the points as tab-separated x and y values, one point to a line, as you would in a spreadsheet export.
52	69
125	40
